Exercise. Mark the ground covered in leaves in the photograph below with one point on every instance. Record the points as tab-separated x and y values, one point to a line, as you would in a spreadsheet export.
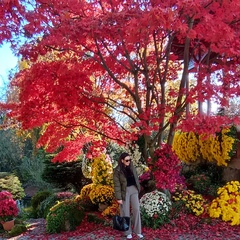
186	227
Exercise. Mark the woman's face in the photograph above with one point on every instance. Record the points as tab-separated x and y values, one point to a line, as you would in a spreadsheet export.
126	161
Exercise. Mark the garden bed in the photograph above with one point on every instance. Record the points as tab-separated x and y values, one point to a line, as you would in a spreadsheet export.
185	227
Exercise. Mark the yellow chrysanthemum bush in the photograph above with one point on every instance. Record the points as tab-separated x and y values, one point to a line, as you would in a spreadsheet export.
102	170
193	203
101	189
227	205
219	148
112	210
186	146
102	194
190	147
85	191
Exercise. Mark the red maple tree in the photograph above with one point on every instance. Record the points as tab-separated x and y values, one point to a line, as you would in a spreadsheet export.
118	70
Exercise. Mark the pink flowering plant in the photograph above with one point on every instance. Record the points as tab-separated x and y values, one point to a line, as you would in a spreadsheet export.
8	207
166	168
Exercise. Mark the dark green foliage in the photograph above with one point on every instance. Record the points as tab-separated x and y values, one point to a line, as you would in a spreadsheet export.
155	221
46	204
17	230
200	183
233	133
9	182
87	204
212	190
211	178
91	217
65	175
31	168
177	208
11	150
27	212
37	199
64	216
214	172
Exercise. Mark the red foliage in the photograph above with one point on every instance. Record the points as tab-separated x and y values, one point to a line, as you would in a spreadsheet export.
200	124
166	168
100	65
186	226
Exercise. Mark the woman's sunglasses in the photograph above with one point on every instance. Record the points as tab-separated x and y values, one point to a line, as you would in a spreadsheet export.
128	160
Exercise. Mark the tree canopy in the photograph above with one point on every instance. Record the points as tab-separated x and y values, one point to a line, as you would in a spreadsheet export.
120	70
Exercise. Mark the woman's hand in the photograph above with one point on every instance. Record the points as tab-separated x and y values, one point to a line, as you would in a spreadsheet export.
120	202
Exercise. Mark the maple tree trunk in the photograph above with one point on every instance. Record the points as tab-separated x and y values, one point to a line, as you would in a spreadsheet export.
179	104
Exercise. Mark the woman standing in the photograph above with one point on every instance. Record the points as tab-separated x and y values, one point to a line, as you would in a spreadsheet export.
127	188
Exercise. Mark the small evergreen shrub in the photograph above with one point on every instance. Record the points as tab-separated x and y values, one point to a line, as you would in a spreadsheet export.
37	199
64	216
9	182
46	205
17	230
51	200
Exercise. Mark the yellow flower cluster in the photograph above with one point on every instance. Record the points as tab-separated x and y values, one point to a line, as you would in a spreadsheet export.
186	146
219	148
101	194
111	210
227	204
190	147
85	191
102	170
193	202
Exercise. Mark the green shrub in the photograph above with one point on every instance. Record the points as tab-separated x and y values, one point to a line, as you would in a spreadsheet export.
200	183
50	201
37	199
9	182
27	213
17	230
46	204
91	217
64	216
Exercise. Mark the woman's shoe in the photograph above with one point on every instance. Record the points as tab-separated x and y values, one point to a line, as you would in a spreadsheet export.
140	235
129	236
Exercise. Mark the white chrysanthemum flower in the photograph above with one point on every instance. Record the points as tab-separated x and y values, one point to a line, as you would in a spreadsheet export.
155	202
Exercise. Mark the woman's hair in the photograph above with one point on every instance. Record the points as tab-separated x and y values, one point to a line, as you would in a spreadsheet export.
122	156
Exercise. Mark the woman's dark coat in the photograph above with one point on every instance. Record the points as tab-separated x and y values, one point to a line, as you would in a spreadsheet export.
120	182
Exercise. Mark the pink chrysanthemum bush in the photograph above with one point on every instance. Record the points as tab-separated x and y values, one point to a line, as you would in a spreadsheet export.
8	207
166	169
227	205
